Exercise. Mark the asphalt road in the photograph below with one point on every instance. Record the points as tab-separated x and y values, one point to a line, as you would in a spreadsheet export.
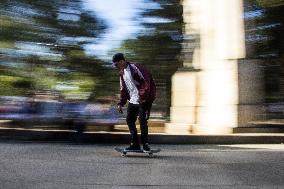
71	166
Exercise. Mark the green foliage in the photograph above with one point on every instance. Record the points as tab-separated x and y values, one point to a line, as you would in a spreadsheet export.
30	33
40	38
270	3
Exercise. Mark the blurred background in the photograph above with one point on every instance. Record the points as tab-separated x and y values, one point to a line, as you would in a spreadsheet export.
55	60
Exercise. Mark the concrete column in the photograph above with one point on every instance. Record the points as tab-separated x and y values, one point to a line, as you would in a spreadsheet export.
251	92
184	99
222	44
184	81
212	92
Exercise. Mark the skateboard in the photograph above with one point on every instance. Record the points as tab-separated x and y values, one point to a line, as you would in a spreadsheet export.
124	152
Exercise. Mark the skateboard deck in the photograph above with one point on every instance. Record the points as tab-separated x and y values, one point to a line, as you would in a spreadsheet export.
124	152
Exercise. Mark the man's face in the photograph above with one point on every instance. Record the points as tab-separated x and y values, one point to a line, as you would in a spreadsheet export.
119	64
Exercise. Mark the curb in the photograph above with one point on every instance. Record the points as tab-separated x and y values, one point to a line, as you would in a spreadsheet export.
124	138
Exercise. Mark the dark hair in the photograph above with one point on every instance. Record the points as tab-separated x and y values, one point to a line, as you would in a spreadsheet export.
117	57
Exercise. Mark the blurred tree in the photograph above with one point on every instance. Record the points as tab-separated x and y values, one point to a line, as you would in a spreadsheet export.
44	41
42	48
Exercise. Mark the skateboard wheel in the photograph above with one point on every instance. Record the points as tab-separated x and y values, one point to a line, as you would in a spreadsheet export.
123	154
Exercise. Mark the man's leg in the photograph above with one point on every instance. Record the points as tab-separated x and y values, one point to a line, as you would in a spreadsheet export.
132	112
143	123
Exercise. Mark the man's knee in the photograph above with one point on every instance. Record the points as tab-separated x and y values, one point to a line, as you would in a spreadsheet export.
143	121
130	120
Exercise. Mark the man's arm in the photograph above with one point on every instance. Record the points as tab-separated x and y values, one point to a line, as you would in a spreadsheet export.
123	96
145	77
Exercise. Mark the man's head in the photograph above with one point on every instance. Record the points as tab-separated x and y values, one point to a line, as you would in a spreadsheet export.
119	61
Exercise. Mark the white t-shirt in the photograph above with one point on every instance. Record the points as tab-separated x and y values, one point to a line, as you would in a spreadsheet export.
131	87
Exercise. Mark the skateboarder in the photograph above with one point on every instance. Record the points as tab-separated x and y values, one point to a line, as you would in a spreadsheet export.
138	87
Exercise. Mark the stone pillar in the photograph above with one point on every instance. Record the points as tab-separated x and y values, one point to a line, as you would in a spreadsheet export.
211	102
251	92
183	107
184	81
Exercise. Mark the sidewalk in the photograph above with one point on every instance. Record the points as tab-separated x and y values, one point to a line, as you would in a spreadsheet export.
123	137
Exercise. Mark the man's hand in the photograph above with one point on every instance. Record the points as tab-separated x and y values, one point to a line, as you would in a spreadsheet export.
119	109
141	101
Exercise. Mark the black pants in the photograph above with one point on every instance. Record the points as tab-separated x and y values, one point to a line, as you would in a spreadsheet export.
134	110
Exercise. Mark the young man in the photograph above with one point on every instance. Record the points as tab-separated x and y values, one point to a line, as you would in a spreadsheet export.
138	87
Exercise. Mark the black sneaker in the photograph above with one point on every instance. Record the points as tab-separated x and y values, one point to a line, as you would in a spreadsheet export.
146	148
133	147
